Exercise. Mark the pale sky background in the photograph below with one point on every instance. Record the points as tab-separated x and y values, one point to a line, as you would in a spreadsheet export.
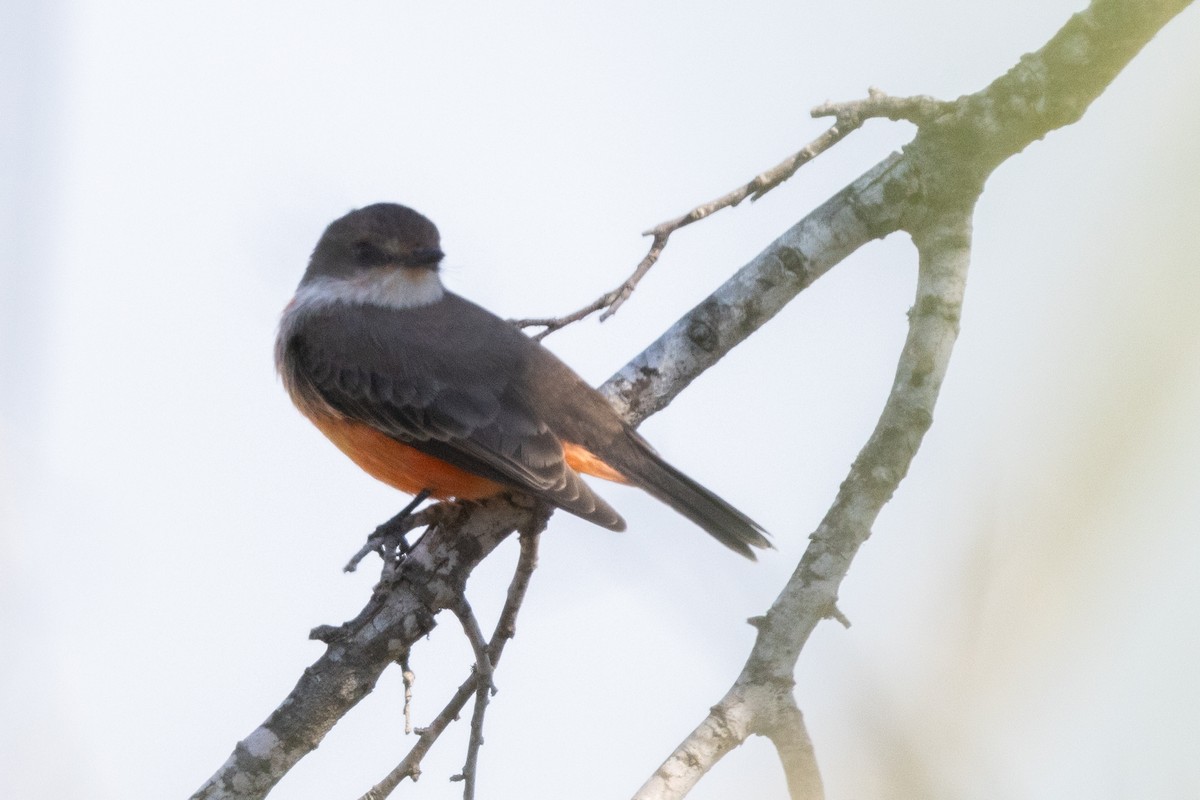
1026	616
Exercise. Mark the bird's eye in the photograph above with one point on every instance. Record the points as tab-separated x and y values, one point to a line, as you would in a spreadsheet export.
367	253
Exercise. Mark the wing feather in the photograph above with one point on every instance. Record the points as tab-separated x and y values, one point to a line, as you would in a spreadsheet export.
447	379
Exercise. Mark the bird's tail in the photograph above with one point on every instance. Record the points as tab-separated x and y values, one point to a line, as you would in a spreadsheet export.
645	468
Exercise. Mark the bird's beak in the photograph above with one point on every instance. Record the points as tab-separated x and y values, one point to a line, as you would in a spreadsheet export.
424	257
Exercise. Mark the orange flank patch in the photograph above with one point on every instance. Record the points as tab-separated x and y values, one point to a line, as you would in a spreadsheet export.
587	462
401	466
409	470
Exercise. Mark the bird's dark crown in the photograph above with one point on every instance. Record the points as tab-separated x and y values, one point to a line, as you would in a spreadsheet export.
372	237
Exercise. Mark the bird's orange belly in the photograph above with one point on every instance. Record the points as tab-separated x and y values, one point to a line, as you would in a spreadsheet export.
411	471
400	466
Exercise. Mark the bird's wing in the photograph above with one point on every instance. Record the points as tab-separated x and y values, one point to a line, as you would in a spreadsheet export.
446	379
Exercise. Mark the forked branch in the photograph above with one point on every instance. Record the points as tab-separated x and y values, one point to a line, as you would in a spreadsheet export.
506	628
760	700
957	147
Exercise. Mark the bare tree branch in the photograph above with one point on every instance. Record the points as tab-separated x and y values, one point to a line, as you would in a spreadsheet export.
506	628
1044	91
955	150
784	726
400	612
867	209
753	704
483	660
484	685
928	190
470	768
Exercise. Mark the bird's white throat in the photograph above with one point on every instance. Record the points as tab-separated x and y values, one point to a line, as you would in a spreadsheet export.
391	288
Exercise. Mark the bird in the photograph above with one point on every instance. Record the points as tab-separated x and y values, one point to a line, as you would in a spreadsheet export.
438	397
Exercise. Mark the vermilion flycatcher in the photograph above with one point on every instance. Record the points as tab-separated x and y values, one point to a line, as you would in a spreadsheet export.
432	394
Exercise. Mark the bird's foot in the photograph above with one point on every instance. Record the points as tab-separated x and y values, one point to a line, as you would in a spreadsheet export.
389	538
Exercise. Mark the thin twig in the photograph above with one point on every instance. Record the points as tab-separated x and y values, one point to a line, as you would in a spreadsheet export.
849	117
551	324
762	183
470	770
505	630
483	659
919	109
410	766
409	679
484	685
506	625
